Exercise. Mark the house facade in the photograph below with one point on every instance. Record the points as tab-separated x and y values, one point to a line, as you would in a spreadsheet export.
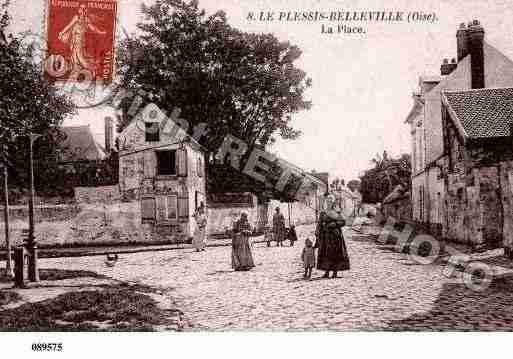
478	65
477	132
164	176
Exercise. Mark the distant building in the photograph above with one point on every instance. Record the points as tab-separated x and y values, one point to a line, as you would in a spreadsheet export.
163	176
79	145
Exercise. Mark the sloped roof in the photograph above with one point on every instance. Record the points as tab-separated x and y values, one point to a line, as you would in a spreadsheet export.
498	74
79	145
481	113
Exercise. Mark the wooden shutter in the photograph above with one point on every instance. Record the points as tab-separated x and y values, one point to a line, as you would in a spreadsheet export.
183	206
181	162
161	208
172	207
148	208
149	164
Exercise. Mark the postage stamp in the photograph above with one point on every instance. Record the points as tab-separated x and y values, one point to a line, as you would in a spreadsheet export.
80	37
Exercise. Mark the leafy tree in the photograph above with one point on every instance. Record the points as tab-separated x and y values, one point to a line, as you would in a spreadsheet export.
238	83
354	185
387	173
28	104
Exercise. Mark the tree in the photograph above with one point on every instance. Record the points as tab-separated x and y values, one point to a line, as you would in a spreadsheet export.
387	173
28	104
237	83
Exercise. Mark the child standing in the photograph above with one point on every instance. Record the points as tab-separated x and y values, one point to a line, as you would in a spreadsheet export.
268	236
308	258
292	235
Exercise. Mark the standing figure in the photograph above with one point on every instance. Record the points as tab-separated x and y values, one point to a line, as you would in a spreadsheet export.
268	236
200	233
308	258
242	258
332	252
292	235
74	35
279	227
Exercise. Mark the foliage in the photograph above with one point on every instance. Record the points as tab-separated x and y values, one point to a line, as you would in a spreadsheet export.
28	104
387	173
238	83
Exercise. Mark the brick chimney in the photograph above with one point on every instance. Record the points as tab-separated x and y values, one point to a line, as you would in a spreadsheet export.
447	67
476	35
462	42
109	134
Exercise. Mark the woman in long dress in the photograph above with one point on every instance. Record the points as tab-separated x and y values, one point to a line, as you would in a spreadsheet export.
278	227
332	251
242	258
200	233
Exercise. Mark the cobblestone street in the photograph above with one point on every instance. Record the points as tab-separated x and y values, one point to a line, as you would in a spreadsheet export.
383	291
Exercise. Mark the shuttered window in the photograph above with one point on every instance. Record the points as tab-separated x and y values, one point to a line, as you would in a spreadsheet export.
182	162
148	208
149	164
183	206
161	208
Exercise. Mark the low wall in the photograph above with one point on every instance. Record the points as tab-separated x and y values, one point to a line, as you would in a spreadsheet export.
91	195
46	213
299	213
93	225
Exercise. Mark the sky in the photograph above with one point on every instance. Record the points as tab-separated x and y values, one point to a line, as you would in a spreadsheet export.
361	84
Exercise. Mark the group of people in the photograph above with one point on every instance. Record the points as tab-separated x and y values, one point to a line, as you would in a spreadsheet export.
331	256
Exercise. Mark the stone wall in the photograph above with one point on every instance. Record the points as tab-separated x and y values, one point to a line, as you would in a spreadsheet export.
105	194
44	213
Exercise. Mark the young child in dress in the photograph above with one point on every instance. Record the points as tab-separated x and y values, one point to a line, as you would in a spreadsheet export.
292	235
268	236
308	257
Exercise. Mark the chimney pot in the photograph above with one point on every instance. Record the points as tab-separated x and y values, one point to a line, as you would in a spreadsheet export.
462	42
476	37
446	61
453	60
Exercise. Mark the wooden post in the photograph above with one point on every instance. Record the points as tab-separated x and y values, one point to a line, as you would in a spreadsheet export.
32	247
8	260
289	210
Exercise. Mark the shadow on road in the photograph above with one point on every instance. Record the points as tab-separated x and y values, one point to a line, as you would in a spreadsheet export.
460	309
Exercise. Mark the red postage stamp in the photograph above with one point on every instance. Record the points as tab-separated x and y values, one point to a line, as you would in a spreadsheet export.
80	36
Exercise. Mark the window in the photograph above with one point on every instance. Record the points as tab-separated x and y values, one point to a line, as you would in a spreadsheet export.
167	207
166	162
152	131
199	170
421	203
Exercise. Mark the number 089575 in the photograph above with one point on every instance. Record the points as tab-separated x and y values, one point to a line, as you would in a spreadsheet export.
47	347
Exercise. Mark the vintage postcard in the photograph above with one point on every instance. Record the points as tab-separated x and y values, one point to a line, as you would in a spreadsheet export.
254	166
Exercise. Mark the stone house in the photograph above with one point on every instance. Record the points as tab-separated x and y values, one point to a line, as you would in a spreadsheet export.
479	166
164	177
478	65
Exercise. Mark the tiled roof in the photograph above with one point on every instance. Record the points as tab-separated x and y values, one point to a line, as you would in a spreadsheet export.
79	145
482	113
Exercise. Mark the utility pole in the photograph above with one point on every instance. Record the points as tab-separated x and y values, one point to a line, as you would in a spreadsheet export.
8	260
33	271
